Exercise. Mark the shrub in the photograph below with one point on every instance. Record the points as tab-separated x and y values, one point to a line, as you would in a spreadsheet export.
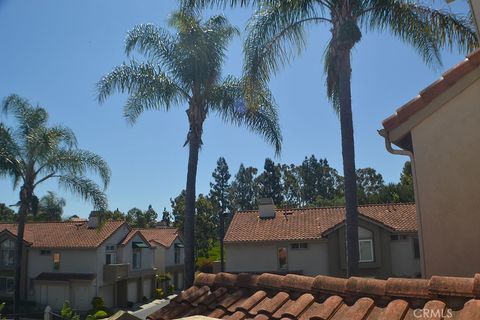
67	312
144	299
129	304
98	303
159	293
164	277
171	289
206	266
100	314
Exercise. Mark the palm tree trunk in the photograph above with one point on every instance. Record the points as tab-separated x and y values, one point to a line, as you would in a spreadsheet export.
189	225
22	217
348	154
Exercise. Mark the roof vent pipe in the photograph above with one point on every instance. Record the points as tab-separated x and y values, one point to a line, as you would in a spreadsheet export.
266	207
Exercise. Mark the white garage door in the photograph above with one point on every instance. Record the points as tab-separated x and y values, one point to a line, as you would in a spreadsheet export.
147	288
132	291
56	296
81	297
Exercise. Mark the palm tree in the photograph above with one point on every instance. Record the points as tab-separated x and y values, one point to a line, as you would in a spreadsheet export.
32	153
185	68
51	207
277	32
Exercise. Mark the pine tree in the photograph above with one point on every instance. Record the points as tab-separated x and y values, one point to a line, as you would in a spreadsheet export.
244	189
270	182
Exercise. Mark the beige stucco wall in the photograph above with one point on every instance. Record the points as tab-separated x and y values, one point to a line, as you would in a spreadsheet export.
262	257
446	149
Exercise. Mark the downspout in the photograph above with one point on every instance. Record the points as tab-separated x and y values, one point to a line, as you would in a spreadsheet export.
409	154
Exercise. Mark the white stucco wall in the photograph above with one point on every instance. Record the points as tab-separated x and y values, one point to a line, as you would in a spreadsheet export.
262	257
404	263
170	254
147	254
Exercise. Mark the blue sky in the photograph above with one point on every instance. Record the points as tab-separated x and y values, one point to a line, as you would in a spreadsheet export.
54	52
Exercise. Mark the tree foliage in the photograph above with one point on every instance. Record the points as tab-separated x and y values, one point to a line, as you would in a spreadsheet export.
142	219
51	207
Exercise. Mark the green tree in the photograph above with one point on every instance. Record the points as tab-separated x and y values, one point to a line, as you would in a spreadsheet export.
7	214
291	186
115	215
142	219
51	207
178	210
369	184
33	152
166	217
270	182
205	231
244	189
278	32
185	68
220	195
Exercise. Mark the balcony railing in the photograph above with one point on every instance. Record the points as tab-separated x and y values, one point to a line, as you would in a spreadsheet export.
121	271
115	272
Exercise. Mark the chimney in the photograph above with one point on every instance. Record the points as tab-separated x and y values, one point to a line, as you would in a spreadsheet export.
266	207
94	219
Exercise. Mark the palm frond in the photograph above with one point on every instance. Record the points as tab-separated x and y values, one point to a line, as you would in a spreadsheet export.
26	115
147	82
86	189
153	42
11	162
227	100
426	29
75	162
276	35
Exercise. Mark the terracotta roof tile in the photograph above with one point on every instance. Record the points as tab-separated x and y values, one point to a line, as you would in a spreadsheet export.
66	234
162	236
314	223
426	96
354	298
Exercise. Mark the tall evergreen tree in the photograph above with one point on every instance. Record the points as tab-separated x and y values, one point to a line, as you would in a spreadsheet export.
369	185
166	217
244	189
50	207
291	186
220	195
270	182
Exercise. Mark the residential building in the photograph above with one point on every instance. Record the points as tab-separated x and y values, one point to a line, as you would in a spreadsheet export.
296	297
169	252
77	261
311	241
439	131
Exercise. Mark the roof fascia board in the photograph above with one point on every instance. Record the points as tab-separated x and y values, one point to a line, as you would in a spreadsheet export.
405	128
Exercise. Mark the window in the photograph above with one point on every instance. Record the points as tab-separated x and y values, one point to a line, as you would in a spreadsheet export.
397	237
6	285
110	258
282	258
56	261
365	248
177	254
45	252
301	245
137	259
7	253
416	249
110	248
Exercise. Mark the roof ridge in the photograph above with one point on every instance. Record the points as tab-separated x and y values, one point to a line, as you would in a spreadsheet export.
437	287
335	207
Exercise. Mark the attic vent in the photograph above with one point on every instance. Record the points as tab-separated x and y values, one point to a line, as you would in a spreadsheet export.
266	208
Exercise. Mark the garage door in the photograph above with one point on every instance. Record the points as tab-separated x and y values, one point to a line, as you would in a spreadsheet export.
56	296
81	297
147	288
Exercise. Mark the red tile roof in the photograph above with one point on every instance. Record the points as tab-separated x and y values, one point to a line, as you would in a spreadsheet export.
162	236
269	296
314	223
64	234
426	96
